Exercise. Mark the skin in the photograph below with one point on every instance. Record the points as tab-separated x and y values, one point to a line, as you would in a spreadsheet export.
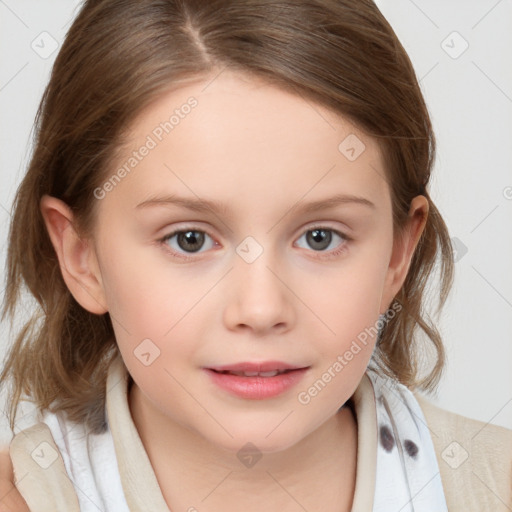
260	151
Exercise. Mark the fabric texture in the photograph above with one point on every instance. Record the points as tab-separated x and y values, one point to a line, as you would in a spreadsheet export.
406	458
475	459
407	476
39	471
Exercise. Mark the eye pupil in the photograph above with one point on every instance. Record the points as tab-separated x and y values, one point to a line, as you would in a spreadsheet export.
319	236
190	240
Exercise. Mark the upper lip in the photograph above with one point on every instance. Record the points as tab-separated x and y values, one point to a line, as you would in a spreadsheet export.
264	366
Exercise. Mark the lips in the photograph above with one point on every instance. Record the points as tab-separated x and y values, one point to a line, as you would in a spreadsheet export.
271	373
251	367
256	381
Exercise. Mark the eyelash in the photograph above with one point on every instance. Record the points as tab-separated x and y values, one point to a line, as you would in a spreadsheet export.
331	254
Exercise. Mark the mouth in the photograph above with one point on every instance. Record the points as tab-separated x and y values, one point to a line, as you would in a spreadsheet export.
271	373
254	368
256	381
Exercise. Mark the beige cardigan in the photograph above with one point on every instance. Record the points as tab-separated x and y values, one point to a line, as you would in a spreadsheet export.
475	458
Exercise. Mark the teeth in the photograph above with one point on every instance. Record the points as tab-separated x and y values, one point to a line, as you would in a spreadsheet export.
249	374
272	373
269	374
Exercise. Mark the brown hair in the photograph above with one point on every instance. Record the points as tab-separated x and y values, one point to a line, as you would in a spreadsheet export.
120	55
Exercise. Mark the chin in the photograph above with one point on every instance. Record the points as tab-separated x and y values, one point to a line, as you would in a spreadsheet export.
262	438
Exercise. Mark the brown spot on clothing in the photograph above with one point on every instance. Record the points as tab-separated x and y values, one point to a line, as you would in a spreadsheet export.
386	438
411	448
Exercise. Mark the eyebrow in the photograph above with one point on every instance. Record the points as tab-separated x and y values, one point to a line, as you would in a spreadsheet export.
206	205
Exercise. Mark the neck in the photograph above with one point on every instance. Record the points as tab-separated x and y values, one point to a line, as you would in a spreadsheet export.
316	473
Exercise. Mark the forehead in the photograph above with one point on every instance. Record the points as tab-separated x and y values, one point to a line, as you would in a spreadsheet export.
236	139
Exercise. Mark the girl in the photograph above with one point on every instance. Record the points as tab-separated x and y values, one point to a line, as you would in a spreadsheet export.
227	227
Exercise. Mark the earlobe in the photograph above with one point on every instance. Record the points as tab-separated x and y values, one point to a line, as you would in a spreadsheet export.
403	250
76	256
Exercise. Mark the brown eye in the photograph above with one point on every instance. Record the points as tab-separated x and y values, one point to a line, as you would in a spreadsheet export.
187	241
190	240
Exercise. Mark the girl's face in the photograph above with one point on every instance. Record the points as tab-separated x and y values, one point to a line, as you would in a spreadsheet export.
283	255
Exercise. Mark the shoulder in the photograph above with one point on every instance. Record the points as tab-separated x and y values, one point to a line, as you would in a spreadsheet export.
61	464
39	470
475	459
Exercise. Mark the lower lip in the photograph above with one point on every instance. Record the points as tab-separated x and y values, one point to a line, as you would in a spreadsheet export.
257	388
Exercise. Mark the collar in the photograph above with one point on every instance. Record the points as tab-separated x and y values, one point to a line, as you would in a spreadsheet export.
139	481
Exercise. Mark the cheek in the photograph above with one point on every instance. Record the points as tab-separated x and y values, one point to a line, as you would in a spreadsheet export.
155	317
147	295
348	299
348	302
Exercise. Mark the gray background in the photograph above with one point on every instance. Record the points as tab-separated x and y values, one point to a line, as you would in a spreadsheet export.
469	93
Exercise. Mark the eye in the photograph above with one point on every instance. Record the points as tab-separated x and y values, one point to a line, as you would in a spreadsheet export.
319	238
182	242
187	240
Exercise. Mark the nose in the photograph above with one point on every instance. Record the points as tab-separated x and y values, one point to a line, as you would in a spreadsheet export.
258	297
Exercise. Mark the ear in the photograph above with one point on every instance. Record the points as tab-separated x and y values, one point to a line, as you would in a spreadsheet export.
77	258
403	250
